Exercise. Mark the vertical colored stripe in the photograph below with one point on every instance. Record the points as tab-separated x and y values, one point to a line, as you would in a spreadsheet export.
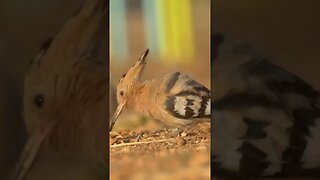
186	30
167	29
176	30
118	25
175	15
151	24
161	36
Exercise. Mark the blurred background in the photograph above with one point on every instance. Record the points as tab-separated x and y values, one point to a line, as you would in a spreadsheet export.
177	32
286	31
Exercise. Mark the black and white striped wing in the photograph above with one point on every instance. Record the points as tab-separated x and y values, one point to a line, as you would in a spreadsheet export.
186	98
268	121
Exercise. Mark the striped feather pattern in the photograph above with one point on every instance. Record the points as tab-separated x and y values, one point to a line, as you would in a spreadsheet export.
266	119
187	99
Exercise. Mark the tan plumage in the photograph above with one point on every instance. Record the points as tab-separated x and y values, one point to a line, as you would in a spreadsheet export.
65	99
174	98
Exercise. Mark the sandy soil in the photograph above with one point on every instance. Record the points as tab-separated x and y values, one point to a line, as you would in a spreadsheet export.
166	153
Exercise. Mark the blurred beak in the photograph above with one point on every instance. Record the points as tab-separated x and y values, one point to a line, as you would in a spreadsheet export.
116	115
31	150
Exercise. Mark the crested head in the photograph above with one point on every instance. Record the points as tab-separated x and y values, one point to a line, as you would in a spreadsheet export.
66	65
66	85
66	90
131	79
128	84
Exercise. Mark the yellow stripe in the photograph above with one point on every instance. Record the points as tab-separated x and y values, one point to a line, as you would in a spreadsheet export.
166	27
171	31
178	33
176	16
186	31
161	26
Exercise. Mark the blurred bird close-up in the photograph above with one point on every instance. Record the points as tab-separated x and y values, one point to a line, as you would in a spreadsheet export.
266	120
65	101
174	99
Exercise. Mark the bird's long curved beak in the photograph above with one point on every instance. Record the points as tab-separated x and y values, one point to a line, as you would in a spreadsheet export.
31	150
116	115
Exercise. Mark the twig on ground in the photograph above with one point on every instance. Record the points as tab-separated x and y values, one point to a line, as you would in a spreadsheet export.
142	142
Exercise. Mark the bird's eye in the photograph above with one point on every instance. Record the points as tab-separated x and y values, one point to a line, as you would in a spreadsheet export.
39	100
121	93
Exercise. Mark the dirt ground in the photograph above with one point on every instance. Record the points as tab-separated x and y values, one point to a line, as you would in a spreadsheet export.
166	153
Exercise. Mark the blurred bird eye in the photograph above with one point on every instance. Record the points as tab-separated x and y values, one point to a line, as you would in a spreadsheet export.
121	93
39	100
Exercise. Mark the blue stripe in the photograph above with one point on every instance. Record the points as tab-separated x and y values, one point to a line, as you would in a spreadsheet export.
118	18
150	20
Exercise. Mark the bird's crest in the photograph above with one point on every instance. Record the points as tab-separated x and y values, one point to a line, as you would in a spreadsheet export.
135	72
126	83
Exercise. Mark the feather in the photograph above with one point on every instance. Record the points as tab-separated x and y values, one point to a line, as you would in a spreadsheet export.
187	98
265	117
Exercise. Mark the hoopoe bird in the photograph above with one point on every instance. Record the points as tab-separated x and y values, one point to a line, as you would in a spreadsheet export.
65	101
174	99
266	120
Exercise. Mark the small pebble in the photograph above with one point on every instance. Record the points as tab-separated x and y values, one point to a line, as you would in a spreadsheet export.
116	140
124	132
181	141
174	133
133	133
184	134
